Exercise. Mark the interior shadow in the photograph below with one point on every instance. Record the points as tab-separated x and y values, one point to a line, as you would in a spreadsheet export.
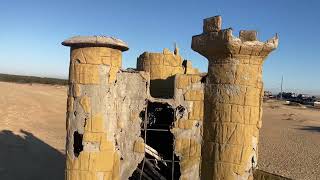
310	128
162	88
28	157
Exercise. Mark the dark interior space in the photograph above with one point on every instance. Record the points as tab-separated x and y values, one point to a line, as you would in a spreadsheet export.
162	88
160	119
77	143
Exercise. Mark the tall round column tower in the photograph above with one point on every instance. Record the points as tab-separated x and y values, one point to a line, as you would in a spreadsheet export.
233	99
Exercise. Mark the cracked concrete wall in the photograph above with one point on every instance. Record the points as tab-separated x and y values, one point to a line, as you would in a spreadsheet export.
104	103
233	100
187	129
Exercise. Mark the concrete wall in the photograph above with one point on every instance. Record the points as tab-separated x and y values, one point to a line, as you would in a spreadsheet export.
103	122
187	130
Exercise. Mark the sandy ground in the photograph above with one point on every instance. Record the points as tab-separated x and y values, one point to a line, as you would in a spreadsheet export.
32	131
290	141
32	135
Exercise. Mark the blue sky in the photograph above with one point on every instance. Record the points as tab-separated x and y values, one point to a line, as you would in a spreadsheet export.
32	31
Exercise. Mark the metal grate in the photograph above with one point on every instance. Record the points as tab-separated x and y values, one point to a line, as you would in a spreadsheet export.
145	129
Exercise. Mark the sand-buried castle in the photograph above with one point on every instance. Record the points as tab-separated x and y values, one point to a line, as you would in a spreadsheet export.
165	119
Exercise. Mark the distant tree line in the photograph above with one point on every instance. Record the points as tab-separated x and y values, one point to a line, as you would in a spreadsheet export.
32	79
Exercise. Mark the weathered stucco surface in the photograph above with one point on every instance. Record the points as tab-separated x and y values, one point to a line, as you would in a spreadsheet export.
103	122
233	97
187	129
216	117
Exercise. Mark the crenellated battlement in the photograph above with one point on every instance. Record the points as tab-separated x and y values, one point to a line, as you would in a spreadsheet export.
216	42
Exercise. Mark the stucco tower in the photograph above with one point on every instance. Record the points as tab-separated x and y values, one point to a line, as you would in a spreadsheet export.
90	148
233	99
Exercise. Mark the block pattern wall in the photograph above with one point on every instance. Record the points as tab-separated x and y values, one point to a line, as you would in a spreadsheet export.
187	130
103	123
233	100
160	65
91	72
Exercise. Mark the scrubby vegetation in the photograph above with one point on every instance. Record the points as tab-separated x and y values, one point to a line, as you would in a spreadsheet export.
32	79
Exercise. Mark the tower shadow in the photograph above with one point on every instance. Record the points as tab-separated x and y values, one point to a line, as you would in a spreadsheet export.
28	157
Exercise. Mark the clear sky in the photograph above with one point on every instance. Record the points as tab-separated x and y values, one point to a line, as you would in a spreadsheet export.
32	31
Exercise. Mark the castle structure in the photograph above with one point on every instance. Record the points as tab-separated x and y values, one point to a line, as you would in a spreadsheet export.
164	119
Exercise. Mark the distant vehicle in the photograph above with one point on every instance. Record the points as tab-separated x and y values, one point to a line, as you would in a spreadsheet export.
300	98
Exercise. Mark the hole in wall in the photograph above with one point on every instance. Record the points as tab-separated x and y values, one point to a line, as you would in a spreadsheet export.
180	111
77	143
204	79
162	88
158	137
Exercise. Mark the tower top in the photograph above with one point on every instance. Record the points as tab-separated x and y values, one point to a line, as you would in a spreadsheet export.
96	41
215	41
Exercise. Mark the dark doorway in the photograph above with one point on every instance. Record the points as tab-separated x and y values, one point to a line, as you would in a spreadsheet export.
156	132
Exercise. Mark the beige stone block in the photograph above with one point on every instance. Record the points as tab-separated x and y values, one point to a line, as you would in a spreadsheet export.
247	113
182	81
254	115
237	114
252	96
104	52
106	145
245	50
107	176
113	74
87	175
91	55
256	60
88	125
156	72
106	60
83	160
194	95
77	56
221	112
86	74
70	163
225	170
157	60
116	167
92	137
78	163
138	146
187	164
70	104
101	161
116	59
134	116
182	146
186	124
195	148
230	153
76	90
85	104
195	78
197	111
73	175
97	122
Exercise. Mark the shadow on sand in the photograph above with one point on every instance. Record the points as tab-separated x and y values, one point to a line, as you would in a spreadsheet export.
310	128
27	157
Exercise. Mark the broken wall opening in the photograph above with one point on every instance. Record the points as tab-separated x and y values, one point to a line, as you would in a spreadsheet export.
162	88
77	143
160	160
